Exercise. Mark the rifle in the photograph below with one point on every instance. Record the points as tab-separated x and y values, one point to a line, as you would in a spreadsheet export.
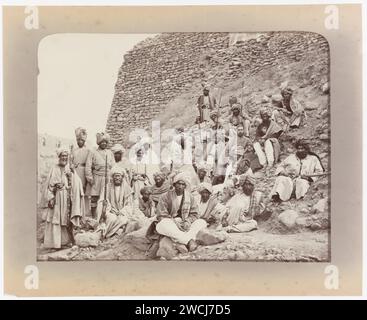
243	84
317	174
104	205
216	130
70	225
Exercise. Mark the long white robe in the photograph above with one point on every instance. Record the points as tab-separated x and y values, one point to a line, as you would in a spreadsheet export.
57	218
120	210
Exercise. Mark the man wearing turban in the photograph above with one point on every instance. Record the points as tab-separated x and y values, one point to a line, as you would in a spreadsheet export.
62	202
146	203
119	204
292	108
266	145
95	169
244	207
78	160
118	152
295	173
203	174
237	118
205	104
177	214
209	208
242	166
160	187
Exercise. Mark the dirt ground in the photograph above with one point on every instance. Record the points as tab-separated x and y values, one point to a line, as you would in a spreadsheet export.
256	245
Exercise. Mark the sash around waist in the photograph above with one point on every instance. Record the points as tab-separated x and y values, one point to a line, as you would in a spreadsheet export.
101	174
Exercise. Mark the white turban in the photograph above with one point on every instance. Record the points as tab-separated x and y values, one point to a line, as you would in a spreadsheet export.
181	177
205	186
102	137
118	170
81	133
117	148
62	150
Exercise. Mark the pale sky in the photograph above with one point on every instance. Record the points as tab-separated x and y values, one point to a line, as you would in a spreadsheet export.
77	76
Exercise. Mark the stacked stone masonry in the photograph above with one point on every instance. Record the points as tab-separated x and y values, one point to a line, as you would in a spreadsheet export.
161	68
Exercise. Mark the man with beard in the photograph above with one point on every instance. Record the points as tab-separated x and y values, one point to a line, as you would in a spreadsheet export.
294	108
209	208
118	204
160	187
238	167
95	169
266	145
118	153
202	173
78	161
63	202
177	214
146	203
205	104
237	118
244	208
296	173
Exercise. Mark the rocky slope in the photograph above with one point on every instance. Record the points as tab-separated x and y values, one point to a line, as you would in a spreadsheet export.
254	69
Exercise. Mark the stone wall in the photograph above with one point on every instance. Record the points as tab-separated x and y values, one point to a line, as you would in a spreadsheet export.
161	68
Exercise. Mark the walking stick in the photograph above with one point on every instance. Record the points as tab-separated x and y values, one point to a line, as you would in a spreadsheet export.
243	84
104	206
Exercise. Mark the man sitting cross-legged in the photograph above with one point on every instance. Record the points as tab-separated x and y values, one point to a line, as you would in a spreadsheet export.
177	214
244	208
119	204
296	173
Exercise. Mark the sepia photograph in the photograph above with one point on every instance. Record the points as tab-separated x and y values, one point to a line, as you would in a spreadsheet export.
183	151
184	146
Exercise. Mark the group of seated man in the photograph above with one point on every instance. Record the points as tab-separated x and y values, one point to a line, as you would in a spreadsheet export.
175	202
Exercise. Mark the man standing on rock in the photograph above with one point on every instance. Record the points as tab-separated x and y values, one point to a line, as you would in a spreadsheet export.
95	169
266	145
177	214
206	103
296	173
78	161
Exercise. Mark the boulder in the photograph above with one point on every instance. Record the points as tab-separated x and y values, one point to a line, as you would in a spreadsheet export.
311	107
240	255
303	222
316	226
288	218
105	255
320	206
166	249
138	239
131	226
231	256
61	255
325	88
87	239
209	237
324	137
